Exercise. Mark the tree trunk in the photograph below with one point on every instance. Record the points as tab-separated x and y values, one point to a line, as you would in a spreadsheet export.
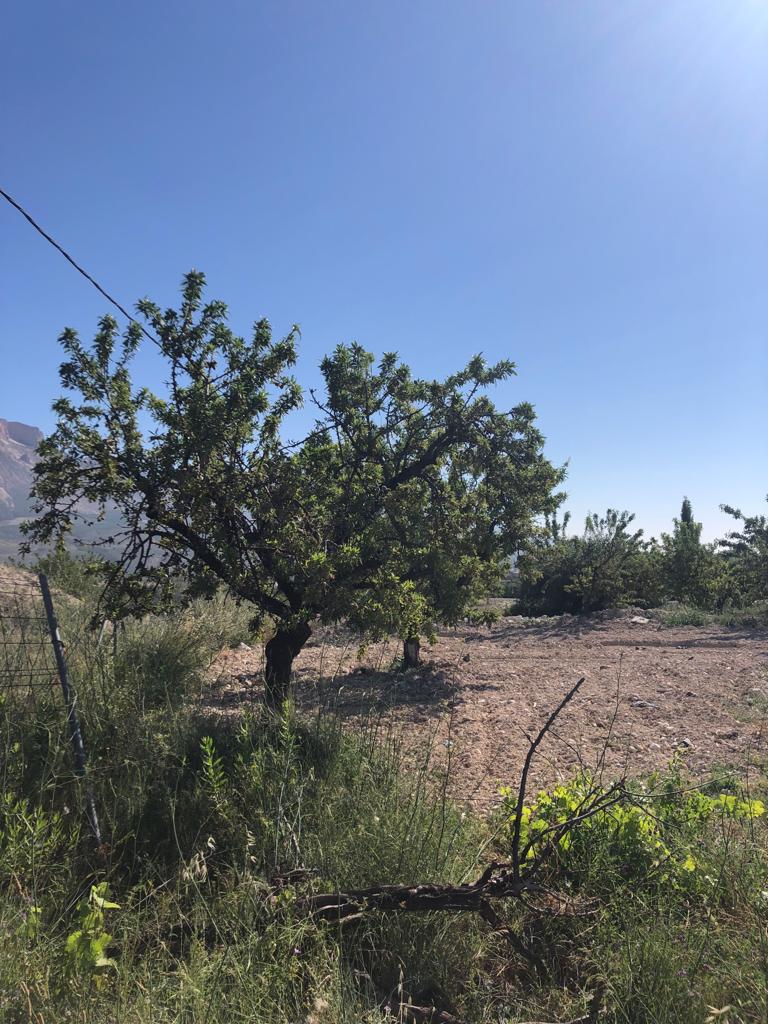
411	649
280	652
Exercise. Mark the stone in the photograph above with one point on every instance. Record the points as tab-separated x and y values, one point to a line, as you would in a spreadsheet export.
727	734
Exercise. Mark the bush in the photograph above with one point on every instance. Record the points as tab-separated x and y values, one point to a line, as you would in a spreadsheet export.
607	566
684	615
752	617
693	573
653	838
664	896
162	659
610	566
69	573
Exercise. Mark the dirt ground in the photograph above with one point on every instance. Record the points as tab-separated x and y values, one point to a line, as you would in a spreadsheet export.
649	692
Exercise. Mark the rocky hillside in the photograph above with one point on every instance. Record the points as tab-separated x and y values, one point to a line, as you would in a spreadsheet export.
17	457
18	442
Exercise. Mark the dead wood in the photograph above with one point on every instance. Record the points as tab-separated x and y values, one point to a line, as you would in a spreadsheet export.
515	878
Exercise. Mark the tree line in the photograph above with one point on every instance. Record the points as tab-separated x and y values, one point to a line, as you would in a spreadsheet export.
611	564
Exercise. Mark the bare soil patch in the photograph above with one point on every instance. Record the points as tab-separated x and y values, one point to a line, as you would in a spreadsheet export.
650	691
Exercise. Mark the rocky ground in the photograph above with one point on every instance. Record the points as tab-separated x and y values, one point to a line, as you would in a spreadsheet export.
650	691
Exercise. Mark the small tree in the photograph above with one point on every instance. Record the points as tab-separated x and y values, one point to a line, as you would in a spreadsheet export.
690	568
400	504
746	552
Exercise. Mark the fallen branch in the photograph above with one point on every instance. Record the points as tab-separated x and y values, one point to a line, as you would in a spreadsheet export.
499	880
512	879
338	906
431	1015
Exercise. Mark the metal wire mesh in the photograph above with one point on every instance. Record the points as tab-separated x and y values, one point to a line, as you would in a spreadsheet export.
33	666
27	663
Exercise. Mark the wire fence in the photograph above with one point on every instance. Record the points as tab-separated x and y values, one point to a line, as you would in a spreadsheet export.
33	664
27	662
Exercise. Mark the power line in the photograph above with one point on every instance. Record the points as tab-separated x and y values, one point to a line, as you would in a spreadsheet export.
76	265
81	270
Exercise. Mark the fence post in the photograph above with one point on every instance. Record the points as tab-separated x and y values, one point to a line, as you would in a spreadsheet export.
75	735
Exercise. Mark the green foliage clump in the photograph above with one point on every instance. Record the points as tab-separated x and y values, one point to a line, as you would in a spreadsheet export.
607	566
746	553
692	572
652	836
610	566
76	575
86	947
162	659
31	837
685	615
664	895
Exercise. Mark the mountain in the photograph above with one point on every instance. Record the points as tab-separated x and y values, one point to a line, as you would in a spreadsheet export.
17	457
18	442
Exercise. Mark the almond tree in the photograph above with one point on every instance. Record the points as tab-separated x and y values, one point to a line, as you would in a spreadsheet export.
400	504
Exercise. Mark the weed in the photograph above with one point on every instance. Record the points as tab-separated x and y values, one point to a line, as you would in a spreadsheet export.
216	829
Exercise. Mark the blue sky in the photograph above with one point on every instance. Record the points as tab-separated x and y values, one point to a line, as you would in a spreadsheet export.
579	186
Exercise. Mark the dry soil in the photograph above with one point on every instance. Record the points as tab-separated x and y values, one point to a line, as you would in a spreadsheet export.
649	692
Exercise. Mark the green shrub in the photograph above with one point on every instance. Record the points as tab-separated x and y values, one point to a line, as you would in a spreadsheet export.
70	573
694	574
684	615
607	566
752	617
164	658
652	836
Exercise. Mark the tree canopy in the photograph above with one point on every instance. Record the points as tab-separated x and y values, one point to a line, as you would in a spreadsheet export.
606	565
690	567
402	501
746	551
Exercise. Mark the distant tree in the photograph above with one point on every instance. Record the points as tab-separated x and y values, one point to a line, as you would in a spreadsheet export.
693	573
684	557
608	565
746	552
399	507
69	571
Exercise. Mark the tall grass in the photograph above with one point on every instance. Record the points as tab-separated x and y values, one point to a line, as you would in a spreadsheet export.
206	820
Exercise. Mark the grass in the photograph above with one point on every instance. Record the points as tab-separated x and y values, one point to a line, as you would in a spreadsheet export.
753	617
204	818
